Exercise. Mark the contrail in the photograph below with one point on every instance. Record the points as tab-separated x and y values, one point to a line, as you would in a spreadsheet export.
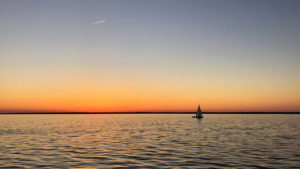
99	22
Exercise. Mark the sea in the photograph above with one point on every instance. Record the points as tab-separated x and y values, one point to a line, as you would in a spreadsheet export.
150	141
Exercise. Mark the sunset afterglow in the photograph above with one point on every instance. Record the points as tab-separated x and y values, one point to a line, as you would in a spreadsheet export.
116	56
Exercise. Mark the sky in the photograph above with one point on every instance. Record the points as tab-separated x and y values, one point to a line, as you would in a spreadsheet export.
149	55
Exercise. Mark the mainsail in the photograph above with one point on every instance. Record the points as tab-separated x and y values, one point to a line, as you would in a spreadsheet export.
199	109
199	112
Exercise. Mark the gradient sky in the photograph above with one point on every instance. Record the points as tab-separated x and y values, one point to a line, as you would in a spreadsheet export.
149	55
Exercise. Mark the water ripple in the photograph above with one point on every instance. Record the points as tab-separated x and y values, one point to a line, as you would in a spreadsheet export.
149	141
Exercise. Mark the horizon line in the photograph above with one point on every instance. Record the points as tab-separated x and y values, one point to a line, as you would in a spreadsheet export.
162	112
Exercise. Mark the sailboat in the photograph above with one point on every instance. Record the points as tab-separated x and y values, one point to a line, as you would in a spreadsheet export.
199	114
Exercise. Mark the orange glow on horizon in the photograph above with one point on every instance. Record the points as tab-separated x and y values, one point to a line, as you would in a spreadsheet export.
94	96
140	103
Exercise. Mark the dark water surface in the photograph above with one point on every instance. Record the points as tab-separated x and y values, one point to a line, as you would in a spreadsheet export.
149	141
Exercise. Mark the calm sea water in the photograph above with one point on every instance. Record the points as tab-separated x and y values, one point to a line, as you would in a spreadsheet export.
149	141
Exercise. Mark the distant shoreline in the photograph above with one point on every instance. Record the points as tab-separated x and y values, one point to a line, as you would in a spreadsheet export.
5	113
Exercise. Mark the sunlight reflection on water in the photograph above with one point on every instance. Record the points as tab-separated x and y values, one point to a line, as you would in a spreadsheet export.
149	141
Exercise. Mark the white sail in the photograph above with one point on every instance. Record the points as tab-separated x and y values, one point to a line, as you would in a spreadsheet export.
199	109
199	112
